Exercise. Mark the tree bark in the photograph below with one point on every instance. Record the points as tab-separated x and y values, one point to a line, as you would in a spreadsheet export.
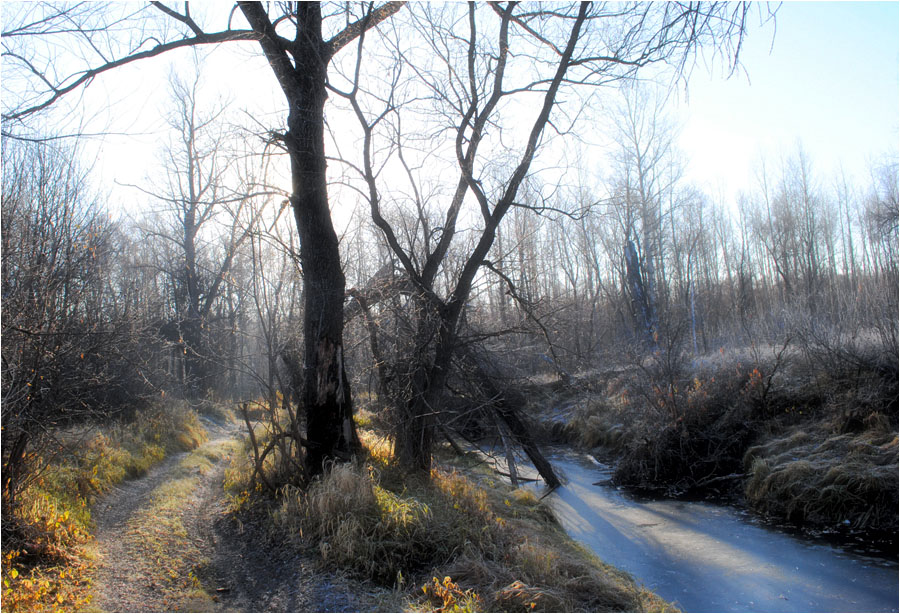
326	389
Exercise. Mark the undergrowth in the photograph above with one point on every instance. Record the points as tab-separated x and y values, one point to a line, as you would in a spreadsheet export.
448	542
836	469
692	435
43	563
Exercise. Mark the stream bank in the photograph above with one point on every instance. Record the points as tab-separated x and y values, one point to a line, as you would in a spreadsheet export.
796	443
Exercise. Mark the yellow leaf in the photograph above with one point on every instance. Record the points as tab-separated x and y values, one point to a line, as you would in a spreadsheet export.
14	573
59	598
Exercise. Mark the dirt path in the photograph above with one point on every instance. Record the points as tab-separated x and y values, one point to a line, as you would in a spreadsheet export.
164	542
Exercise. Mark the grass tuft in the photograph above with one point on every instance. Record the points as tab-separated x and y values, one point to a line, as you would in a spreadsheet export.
813	476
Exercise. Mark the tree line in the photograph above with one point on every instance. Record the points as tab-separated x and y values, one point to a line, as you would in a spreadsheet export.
654	260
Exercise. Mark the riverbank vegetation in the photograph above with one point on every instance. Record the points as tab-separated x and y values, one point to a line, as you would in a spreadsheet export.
457	540
801	444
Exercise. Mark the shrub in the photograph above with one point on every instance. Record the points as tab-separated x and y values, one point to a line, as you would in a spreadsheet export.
699	436
446	596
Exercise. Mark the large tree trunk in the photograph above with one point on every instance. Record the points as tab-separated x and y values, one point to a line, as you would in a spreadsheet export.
414	428
414	431
195	356
642	307
326	390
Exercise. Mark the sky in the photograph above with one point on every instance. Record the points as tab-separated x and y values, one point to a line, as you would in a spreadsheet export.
825	76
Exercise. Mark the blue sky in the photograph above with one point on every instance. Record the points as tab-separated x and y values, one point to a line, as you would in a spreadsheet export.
830	82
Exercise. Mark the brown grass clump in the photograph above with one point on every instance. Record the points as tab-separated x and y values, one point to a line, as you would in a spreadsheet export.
519	597
450	543
380	534
596	423
817	477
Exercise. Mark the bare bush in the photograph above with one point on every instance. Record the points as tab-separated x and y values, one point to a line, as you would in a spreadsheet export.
66	338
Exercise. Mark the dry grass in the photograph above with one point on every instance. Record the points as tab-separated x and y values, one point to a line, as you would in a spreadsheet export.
597	422
380	534
43	562
831	461
812	476
450	543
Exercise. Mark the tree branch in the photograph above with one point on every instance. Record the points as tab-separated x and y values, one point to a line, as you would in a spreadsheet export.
89	75
369	20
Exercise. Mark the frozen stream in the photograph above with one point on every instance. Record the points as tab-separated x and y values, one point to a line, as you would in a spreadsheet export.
708	558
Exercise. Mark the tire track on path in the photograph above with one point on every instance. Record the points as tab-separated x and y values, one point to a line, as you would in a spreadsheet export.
165	542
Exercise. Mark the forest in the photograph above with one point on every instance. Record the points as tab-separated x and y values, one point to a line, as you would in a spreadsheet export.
358	324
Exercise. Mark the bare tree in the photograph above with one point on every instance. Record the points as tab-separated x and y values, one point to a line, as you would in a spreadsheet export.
291	37
484	59
883	214
195	201
647	169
